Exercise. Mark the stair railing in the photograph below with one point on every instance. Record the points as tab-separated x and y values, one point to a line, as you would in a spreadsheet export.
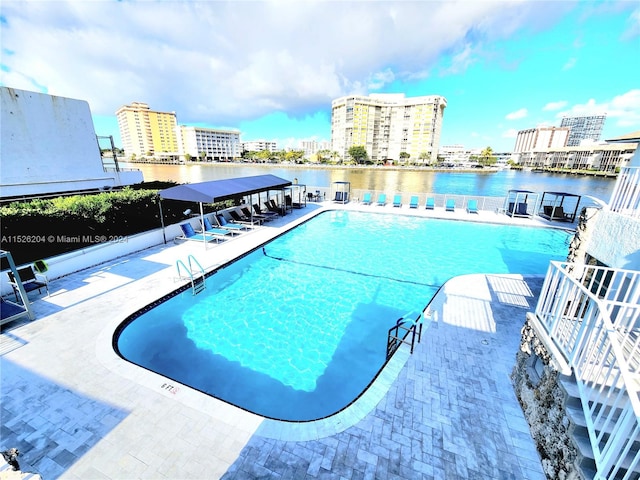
592	315
196	277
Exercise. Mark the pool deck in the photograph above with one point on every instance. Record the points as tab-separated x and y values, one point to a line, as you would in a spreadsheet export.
76	410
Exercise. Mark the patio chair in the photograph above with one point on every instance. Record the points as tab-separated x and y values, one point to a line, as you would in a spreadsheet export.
397	200
413	202
450	205
382	199
244	219
256	217
366	199
208	227
265	214
472	206
431	203
30	280
232	227
188	233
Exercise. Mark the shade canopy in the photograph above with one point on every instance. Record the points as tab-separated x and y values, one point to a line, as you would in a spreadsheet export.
220	190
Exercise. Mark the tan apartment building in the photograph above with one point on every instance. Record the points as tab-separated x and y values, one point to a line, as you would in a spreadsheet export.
388	125
146	132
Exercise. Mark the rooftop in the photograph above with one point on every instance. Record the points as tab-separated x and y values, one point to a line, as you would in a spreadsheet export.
76	410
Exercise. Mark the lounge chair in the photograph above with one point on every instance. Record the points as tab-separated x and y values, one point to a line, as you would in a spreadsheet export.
265	214
188	233
382	199
211	230
243	219
431	203
217	229
256	217
450	206
397	200
272	206
233	227
30	281
472	206
413	202
366	199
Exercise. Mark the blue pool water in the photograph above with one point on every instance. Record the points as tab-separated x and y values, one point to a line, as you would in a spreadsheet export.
296	330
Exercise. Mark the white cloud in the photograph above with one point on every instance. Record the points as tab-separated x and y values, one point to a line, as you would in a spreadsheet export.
624	108
522	113
551	106
223	61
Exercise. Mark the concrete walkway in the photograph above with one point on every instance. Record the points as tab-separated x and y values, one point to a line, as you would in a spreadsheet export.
76	410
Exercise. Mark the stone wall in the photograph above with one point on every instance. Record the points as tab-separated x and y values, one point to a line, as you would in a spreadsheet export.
541	398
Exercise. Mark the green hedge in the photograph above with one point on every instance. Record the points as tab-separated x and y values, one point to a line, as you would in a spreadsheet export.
43	228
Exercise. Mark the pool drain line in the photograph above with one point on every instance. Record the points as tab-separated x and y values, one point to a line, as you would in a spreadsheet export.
280	259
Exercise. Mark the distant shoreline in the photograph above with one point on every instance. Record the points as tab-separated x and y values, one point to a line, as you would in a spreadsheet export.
316	166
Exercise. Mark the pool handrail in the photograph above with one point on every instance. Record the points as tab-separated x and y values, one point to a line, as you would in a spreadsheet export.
198	283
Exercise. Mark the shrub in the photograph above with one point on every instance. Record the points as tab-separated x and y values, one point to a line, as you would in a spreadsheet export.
42	228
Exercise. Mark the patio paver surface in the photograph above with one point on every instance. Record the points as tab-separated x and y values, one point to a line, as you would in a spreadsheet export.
76	410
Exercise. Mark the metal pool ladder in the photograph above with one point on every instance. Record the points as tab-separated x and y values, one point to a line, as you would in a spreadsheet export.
408	325
197	278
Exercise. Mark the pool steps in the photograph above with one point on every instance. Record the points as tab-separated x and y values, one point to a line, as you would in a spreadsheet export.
197	277
410	324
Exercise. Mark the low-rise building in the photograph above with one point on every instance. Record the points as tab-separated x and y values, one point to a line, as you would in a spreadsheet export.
48	145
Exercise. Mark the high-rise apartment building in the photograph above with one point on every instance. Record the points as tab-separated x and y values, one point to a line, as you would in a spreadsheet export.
388	125
587	128
145	132
541	138
209	144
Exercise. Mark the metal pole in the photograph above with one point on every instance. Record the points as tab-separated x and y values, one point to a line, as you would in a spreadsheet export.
204	235
164	234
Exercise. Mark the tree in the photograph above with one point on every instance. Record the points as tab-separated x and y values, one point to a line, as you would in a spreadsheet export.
359	154
202	156
404	156
425	158
486	157
187	157
323	156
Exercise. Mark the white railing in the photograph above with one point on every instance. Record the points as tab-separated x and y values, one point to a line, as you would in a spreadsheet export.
492	204
592	315
625	198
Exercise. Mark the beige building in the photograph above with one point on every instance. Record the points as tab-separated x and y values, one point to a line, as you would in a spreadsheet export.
259	146
604	157
388	125
209	144
541	139
146	132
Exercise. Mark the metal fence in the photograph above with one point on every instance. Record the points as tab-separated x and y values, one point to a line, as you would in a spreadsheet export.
626	194
592	315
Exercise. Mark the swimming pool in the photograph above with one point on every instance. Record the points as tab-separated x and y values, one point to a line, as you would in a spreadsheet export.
297	329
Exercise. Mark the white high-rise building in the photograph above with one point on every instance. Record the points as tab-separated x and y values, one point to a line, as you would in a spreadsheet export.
209	144
388	125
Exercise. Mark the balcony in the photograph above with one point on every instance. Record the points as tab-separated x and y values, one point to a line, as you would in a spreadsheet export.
589	319
625	198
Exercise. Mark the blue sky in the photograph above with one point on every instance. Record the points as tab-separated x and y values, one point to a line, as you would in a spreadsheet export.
271	68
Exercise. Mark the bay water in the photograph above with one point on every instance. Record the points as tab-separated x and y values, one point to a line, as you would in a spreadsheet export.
392	180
